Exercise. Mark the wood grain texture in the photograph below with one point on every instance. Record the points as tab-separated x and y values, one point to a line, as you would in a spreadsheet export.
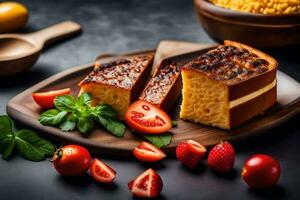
23	109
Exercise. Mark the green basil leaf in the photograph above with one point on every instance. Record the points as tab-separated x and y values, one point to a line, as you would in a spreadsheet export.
104	110
32	147
159	140
65	103
52	117
112	125
67	126
7	137
5	124
7	143
85	124
84	99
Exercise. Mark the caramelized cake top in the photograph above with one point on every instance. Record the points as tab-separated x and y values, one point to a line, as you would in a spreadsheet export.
122	73
159	85
229	64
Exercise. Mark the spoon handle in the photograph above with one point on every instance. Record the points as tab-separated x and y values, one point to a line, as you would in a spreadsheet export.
55	32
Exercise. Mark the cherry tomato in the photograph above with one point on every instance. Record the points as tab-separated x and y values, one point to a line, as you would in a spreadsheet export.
147	118
101	172
46	99
148	184
147	152
261	171
72	160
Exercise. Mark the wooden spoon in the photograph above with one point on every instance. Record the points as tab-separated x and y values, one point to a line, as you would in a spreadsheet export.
19	52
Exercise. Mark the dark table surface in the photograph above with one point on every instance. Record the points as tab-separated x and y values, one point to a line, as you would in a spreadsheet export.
119	26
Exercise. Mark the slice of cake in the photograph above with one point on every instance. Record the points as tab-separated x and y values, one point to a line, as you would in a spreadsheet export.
118	83
228	85
164	88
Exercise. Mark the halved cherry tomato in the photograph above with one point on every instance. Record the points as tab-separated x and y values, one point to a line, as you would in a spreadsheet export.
147	118
147	152
148	184
72	160
101	172
46	99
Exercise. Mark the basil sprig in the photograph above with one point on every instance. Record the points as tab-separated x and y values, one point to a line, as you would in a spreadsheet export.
72	113
29	144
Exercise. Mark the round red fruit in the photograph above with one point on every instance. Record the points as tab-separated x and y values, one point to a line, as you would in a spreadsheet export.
221	157
261	171
72	160
147	118
101	172
190	153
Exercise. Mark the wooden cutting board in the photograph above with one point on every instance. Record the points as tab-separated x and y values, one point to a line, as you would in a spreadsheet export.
23	109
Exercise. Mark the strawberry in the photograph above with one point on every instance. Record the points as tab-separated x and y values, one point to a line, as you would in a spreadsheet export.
221	157
147	184
190	153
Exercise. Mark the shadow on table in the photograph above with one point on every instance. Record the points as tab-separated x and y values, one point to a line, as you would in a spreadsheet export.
25	79
201	168
232	174
160	197
275	193
289	61
108	186
274	136
84	180
155	165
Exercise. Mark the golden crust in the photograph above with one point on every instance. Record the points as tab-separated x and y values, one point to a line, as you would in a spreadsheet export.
123	72
232	63
272	62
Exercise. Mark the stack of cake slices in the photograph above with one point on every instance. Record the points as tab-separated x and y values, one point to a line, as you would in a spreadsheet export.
222	88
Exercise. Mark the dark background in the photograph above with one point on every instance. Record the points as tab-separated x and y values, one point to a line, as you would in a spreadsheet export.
119	26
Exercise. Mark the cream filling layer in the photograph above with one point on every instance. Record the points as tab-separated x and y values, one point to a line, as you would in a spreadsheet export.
252	95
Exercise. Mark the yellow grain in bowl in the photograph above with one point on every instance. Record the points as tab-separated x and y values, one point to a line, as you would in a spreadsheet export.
272	7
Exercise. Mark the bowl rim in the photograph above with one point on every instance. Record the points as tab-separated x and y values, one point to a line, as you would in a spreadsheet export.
208	6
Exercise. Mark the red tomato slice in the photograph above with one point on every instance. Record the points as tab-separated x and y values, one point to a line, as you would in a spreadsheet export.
101	172
148	184
147	118
46	99
147	152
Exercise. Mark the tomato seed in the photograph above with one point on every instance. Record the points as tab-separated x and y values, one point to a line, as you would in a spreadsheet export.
145	107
